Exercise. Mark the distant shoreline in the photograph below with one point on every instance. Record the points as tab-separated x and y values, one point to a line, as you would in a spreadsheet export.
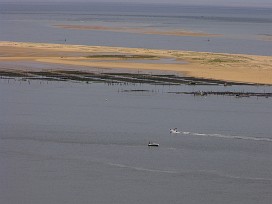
217	66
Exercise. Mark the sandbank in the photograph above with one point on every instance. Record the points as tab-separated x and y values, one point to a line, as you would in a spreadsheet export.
153	31
220	66
265	37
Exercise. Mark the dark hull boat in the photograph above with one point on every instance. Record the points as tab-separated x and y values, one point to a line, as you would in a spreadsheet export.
152	144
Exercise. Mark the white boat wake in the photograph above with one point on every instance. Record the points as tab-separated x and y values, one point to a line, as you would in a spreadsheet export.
174	131
182	172
264	139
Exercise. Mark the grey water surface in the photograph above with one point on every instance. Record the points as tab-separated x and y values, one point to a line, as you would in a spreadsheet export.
241	29
64	142
67	143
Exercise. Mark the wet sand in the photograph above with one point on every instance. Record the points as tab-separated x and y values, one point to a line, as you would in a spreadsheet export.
265	37
173	32
218	66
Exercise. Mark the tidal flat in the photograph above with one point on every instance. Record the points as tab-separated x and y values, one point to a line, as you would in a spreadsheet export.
216	66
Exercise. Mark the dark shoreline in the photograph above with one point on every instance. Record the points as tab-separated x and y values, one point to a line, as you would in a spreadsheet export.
112	78
226	93
116	78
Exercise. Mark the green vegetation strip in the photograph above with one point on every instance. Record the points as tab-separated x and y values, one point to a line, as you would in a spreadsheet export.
124	56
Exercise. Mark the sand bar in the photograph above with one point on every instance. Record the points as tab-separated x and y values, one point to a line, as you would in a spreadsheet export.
174	32
220	66
265	37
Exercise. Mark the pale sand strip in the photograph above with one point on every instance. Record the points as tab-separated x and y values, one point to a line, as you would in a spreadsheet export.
265	37
229	67
154	31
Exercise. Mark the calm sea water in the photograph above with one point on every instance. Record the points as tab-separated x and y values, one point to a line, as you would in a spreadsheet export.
66	143
242	28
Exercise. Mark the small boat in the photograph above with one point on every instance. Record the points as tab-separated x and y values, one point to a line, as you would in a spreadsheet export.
174	131
152	144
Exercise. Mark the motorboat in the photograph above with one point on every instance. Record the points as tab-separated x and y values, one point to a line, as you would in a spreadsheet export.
174	131
152	144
